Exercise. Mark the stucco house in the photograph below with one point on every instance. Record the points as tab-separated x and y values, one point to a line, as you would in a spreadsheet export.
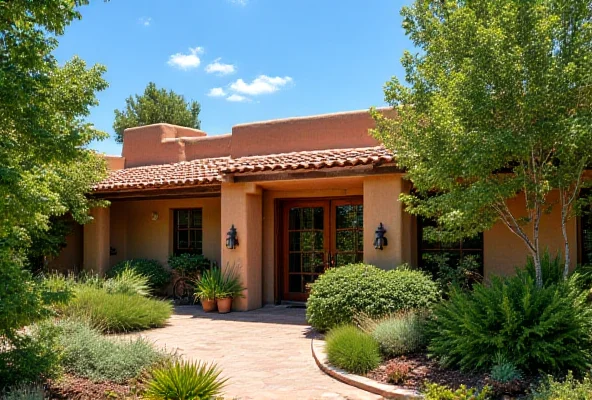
302	193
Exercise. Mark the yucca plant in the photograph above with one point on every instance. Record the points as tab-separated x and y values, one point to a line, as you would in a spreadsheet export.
207	287
184	380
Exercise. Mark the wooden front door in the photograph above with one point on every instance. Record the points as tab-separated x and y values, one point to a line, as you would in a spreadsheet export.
316	235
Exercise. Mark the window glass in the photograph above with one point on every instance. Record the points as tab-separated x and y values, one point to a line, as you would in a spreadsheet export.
188	231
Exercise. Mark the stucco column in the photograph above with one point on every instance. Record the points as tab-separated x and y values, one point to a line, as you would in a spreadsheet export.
381	204
242	206
96	241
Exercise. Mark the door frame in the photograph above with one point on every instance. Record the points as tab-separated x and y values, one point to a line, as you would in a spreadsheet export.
280	232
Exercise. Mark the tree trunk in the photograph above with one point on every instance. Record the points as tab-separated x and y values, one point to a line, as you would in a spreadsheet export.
537	251
565	243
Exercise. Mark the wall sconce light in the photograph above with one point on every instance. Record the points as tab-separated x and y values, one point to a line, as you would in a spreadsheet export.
154	216
231	238
379	240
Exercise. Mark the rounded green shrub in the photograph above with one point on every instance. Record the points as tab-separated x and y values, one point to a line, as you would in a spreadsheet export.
185	380
341	293
352	350
117	312
400	334
544	329
158	276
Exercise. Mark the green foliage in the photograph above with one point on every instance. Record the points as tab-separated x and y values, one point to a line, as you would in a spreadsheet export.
352	350
568	389
30	357
399	334
492	86
341	293
56	289
463	275
117	312
89	354
47	243
551	268
504	371
158	276
185	380
128	281
189	263
25	392
156	106
547	328
433	391
216	284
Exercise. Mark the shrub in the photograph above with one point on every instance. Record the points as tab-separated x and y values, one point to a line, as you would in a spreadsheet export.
128	281
433	391
158	276
568	389
189	263
504	371
398	334
352	350
341	293
184	380
398	372
551	268
117	312
89	354
31	392
30	357
535	328
55	288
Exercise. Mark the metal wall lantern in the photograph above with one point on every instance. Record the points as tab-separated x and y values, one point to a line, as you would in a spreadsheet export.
231	238
379	239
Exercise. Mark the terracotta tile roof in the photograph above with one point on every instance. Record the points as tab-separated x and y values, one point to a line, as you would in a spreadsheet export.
311	160
187	173
210	170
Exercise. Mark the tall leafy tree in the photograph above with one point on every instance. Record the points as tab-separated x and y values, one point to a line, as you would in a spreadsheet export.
46	170
156	106
497	105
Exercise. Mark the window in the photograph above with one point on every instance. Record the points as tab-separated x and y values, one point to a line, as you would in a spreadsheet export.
188	231
586	237
453	251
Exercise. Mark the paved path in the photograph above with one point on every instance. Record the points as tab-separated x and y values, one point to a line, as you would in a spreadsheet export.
265	353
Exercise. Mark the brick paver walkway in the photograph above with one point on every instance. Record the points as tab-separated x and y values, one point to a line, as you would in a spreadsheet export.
265	353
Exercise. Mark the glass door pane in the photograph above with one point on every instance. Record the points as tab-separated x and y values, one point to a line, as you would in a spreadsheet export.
348	246
306	243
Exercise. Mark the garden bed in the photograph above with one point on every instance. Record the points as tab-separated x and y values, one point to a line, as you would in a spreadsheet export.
73	387
424	369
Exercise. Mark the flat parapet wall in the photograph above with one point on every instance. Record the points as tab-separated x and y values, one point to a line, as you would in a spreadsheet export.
321	132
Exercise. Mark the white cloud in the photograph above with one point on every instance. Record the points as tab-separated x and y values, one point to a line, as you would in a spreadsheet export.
263	84
240	2
186	61
146	21
220	68
216	92
237	98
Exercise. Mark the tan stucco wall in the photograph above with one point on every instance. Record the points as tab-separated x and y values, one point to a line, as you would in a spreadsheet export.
71	256
381	204
242	205
503	250
96	241
135	235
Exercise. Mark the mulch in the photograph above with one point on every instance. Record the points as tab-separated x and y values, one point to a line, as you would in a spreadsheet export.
77	388
423	370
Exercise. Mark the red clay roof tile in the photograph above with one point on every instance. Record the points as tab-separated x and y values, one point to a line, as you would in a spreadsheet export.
210	170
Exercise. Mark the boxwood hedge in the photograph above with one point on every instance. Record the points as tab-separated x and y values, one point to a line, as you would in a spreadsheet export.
341	293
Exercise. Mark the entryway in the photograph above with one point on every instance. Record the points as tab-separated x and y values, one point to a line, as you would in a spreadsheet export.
317	234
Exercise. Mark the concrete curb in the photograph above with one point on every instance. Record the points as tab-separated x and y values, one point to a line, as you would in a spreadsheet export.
386	391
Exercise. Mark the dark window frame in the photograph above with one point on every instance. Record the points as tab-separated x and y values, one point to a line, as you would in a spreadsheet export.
190	228
437	248
584	223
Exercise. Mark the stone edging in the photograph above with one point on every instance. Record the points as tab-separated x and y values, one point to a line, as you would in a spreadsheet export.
369	385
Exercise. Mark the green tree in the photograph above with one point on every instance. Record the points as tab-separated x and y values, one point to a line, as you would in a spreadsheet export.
46	170
497	102
156	106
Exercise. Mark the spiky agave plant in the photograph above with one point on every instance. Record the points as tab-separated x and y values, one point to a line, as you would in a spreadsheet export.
184	380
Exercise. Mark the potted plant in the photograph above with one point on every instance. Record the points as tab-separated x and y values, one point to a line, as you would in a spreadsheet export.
207	287
230	288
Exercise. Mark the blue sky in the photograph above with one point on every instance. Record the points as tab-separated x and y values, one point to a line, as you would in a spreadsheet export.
244	61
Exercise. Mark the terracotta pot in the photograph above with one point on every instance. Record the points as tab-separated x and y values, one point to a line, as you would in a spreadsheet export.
208	305
224	305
